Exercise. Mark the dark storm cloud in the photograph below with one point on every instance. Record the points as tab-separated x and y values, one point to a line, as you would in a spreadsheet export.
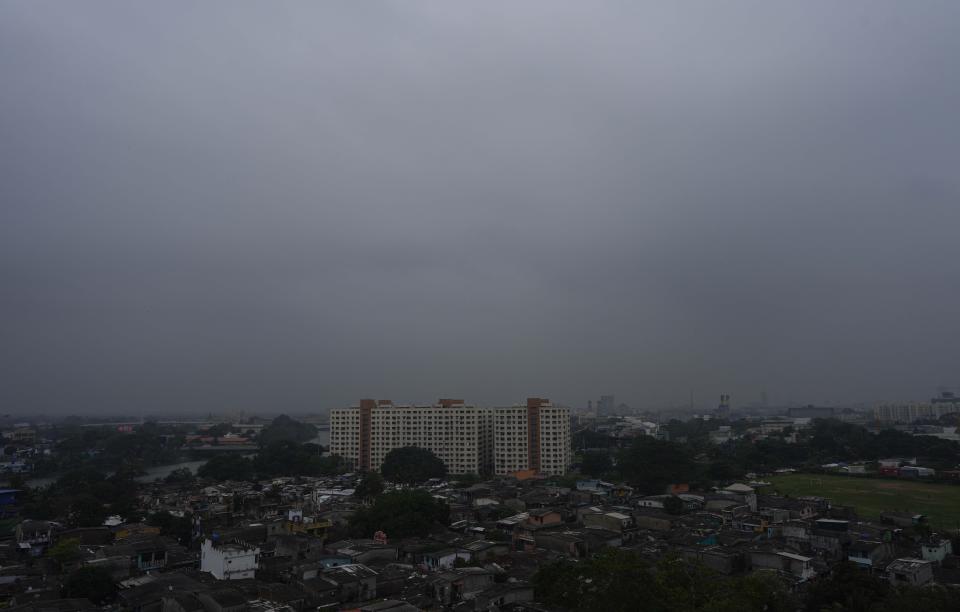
286	206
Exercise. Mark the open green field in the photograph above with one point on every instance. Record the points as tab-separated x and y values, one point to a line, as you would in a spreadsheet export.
871	496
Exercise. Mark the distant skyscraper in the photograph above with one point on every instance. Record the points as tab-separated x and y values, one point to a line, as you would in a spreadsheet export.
605	407
459	434
467	438
723	409
534	436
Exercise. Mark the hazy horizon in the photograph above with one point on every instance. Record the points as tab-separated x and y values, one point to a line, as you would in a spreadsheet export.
211	207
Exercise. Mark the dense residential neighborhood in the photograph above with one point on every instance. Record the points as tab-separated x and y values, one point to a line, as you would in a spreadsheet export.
291	527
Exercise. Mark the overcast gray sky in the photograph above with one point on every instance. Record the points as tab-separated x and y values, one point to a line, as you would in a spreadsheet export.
275	206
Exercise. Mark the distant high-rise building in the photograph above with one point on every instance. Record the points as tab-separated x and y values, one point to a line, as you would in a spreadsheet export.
535	436
723	408
605	407
468	439
458	433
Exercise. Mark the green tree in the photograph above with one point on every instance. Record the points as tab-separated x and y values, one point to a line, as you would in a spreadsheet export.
649	465
227	467
619	580
177	527
219	430
412	465
180	475
289	458
930	598
846	588
673	505
400	514
86	511
287	429
596	464
65	551
371	485
92	582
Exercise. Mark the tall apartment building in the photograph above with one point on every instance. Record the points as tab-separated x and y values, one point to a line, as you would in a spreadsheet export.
909	413
459	434
467	438
535	436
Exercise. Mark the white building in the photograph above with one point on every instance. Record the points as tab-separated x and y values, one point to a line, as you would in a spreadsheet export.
458	433
468	439
229	560
535	436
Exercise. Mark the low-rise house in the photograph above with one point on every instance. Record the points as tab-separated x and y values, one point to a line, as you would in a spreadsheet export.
568	543
936	549
718	558
389	605
223	600
868	554
486	550
355	582
444	558
143	555
902	519
149	554
297	547
913	572
509	522
500	596
8	502
365	551
799	508
796	534
543	517
34	536
912	471
745	493
652	520
451	587
181	602
321	591
796	565
612	521
229	560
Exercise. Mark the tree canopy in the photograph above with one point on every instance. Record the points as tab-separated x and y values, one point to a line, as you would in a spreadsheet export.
412	465
400	514
649	465
92	582
616	580
227	467
279	458
371	485
288	458
283	428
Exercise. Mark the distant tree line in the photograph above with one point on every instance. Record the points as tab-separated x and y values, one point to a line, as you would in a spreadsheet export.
278	458
621	580
650	464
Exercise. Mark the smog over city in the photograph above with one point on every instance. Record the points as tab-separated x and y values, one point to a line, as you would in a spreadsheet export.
243	206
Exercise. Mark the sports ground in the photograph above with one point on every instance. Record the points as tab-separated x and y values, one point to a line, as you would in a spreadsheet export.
871	496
